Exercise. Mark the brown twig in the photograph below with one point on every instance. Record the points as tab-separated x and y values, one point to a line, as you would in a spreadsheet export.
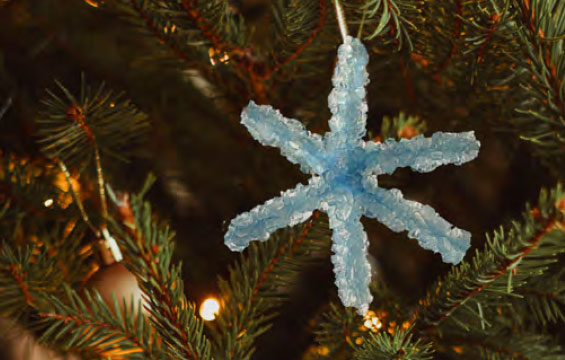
495	18
454	38
75	113
299	50
20	277
206	29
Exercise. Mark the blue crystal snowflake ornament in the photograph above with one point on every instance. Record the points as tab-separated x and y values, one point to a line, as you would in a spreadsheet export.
344	182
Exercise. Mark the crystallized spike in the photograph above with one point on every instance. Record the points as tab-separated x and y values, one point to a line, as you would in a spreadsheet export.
345	185
347	99
292	207
297	144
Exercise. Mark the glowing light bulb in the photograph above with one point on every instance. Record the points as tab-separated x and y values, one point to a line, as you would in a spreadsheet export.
48	202
215	55
209	308
92	3
372	321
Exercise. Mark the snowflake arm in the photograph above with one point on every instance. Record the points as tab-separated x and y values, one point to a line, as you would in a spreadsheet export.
347	100
292	207
422	154
421	221
351	266
297	144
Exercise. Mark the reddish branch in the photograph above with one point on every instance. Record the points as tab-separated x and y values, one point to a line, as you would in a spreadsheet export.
495	18
76	114
454	38
164	297
207	30
307	43
98	325
505	266
257	74
20	278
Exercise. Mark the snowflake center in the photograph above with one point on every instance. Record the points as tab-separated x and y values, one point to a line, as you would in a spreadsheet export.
345	174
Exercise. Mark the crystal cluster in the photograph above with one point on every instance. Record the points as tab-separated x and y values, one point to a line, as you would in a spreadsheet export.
344	182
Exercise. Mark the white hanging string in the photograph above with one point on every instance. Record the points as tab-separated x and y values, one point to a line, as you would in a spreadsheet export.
341	20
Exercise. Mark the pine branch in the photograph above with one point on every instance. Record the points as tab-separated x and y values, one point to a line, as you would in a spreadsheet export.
391	21
398	346
259	282
24	277
437	42
467	43
337	331
541	33
489	36
216	35
510	259
510	346
73	128
160	29
301	25
87	324
543	300
31	292
148	251
208	31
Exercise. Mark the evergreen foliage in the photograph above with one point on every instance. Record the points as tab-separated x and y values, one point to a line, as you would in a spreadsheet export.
495	66
73	128
400	345
259	282
148	249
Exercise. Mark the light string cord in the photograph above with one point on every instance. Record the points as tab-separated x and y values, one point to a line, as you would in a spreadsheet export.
341	20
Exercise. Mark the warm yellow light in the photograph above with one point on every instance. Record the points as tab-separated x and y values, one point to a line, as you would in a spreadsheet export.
323	350
48	202
209	308
224	58
372	321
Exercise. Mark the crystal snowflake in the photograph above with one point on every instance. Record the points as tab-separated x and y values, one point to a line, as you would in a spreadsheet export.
344	184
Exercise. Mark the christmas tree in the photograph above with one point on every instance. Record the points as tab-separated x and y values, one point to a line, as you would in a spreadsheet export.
123	160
